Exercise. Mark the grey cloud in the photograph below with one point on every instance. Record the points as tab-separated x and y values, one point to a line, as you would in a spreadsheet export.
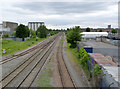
63	7
81	21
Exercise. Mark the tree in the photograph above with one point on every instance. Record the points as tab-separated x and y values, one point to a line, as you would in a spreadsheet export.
100	30
73	35
27	31
53	32
42	31
114	31
87	29
5	35
49	30
13	34
68	29
22	31
33	33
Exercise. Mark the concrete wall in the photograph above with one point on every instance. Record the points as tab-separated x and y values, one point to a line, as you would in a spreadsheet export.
15	39
108	80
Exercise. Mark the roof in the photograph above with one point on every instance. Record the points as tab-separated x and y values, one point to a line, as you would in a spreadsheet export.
10	22
87	46
102	60
36	22
94	33
113	71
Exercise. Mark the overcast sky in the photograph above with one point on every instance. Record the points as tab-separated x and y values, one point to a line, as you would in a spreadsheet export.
94	13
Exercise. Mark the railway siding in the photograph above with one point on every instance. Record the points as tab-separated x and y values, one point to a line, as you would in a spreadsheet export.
65	76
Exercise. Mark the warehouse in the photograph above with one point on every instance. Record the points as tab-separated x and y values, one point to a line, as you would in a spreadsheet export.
93	34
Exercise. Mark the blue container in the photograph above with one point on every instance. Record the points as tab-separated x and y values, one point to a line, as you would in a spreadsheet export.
88	49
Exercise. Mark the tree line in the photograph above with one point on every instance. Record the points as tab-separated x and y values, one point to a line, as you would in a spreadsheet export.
23	31
100	30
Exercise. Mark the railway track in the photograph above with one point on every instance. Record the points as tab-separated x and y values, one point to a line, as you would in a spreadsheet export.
25	74
65	76
28	59
22	53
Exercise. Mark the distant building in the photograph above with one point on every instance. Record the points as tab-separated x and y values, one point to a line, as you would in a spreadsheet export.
93	34
109	26
34	25
8	27
97	29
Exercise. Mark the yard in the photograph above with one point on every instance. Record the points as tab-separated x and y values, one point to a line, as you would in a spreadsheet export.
16	46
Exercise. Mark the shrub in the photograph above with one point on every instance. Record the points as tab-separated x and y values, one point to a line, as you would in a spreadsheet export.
84	56
5	35
97	70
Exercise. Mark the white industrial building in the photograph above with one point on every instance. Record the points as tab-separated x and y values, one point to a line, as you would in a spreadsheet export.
34	25
93	34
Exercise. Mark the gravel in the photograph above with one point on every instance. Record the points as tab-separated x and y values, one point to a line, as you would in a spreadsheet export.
78	76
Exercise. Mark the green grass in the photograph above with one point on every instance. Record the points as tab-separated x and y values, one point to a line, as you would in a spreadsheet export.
45	80
74	53
61	42
0	47
45	77
16	46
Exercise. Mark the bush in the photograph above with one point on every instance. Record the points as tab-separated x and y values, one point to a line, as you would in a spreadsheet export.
5	35
33	33
87	29
97	70
100	30
114	31
84	56
36	39
13	34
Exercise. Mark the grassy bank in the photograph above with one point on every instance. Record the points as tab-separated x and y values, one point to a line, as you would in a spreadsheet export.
75	57
16	46
74	53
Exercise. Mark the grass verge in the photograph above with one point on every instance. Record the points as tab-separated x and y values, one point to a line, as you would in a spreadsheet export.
76	59
74	53
16	46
